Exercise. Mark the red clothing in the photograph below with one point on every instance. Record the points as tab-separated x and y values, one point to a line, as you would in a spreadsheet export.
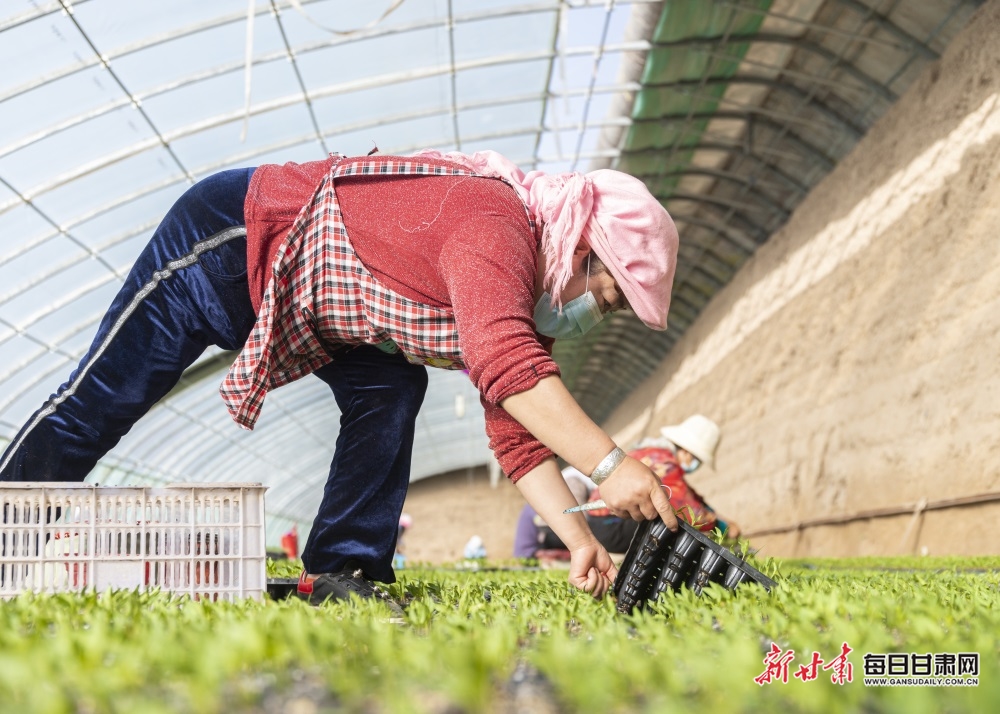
275	198
688	503
453	243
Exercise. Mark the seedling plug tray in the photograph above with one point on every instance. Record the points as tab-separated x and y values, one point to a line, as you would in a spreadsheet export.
659	559
282	588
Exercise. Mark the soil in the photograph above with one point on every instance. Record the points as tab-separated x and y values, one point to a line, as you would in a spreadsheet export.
449	509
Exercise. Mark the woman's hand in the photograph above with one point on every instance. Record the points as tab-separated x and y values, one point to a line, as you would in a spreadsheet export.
591	569
550	413
633	491
590	566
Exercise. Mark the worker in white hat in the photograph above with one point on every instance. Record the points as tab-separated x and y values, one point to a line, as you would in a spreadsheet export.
696	440
679	451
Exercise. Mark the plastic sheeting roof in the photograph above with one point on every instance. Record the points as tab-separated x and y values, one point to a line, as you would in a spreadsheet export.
110	109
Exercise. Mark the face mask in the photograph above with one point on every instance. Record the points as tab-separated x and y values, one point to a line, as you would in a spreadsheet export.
693	466
578	316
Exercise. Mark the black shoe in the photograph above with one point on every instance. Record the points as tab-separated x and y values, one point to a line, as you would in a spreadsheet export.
342	585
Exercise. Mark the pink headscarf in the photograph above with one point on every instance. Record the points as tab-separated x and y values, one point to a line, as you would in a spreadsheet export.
613	212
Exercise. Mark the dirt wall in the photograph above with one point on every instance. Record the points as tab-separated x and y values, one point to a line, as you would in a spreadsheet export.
853	363
449	509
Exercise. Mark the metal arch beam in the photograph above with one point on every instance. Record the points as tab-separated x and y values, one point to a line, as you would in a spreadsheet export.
281	103
796	42
759	114
594	389
750	116
685	249
698	170
640	361
298	77
742	151
831	29
685	284
284	55
706	262
650	345
727	176
735	149
626	359
712	199
598	394
190	130
185	131
324	92
27	16
125	91
721	269
143	192
240	17
761	235
695	268
747	247
786	87
692	309
889	26
112	106
594	381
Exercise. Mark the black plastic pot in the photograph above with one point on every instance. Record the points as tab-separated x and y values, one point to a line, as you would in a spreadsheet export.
659	560
281	588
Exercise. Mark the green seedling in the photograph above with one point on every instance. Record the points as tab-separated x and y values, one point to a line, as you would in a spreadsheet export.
482	641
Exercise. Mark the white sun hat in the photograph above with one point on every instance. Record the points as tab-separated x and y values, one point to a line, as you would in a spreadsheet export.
697	434
578	483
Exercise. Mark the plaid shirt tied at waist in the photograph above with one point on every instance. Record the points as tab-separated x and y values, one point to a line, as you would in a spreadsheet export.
321	298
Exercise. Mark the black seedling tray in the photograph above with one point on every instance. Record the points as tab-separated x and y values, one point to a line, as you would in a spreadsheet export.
281	588
658	559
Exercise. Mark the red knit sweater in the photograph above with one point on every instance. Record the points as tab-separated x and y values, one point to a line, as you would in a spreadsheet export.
453	241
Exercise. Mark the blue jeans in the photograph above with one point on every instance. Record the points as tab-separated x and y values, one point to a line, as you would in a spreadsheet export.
187	290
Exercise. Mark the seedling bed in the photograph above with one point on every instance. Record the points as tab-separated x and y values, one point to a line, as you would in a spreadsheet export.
126	651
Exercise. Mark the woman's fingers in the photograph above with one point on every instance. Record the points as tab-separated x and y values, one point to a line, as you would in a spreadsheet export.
663	508
602	585
648	511
612	573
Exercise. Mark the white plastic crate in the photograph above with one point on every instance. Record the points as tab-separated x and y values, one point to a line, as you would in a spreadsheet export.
203	540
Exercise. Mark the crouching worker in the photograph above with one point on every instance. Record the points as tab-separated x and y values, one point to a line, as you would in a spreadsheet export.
679	452
361	271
